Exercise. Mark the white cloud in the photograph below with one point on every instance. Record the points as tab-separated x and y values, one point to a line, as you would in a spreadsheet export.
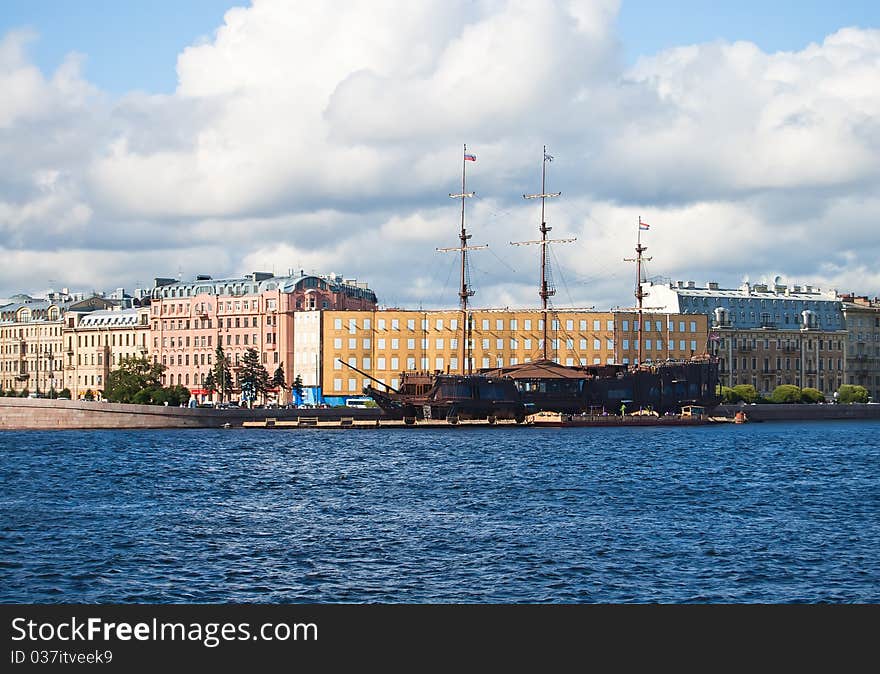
326	136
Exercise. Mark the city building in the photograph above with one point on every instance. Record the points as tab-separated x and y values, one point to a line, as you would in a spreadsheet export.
766	335
863	342
188	320
96	342
384	343
31	345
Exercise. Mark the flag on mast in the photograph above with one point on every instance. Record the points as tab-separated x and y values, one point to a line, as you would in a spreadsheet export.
644	225
470	157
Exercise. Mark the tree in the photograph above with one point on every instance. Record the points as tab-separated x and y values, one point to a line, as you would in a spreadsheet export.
850	393
253	379
24	393
173	395
298	386
746	392
812	395
64	393
53	393
133	376
729	396
278	377
222	373
210	383
88	395
786	393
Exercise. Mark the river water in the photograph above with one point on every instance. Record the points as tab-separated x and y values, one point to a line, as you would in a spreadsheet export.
767	512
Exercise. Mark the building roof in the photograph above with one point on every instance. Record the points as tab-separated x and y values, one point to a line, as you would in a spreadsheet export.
256	283
38	309
111	319
758	291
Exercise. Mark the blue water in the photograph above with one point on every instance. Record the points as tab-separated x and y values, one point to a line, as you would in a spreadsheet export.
781	512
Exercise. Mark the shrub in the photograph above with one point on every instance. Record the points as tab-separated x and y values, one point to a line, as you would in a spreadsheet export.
88	395
812	395
849	393
64	393
786	393
746	392
729	396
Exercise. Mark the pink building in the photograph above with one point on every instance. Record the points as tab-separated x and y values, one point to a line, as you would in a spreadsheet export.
189	319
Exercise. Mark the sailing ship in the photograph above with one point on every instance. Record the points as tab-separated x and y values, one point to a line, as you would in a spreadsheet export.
663	387
454	397
542	385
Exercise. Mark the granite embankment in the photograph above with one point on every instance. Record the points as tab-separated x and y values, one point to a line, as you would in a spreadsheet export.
46	414
800	412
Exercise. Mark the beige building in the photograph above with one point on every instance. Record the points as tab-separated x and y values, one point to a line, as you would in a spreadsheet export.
766	335
863	342
30	344
384	343
97	342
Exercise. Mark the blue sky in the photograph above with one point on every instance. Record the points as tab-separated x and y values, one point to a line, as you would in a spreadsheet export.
133	44
325	135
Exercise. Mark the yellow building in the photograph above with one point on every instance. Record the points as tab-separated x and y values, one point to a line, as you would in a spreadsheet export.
97	342
30	345
384	343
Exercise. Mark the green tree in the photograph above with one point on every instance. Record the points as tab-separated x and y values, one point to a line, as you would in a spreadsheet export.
88	395
850	393
729	396
173	395
210	383
746	392
53	393
64	393
133	376
222	373
786	393
812	395
298	386
278	377
253	379
24	393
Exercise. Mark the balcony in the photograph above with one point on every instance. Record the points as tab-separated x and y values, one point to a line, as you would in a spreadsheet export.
746	348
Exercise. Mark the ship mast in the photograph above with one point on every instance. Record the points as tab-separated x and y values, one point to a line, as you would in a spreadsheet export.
464	291
640	294
545	290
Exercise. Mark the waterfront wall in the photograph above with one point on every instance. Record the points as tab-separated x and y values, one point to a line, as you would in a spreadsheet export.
46	414
800	412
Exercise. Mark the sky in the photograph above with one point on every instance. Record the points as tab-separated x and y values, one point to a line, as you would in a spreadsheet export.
144	139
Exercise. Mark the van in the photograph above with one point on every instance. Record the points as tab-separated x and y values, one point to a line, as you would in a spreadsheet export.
359	403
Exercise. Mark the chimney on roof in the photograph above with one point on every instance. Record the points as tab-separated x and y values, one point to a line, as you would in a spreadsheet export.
712	285
680	284
692	284
808	289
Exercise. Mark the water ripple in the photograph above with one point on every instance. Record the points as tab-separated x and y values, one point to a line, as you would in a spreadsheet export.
755	513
